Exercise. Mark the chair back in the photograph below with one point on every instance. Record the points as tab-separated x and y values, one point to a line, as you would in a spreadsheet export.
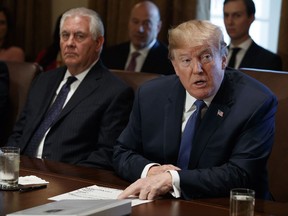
277	81
21	75
134	79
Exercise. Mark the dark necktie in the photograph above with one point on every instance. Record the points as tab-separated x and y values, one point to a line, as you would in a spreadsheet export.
188	135
233	57
132	63
50	117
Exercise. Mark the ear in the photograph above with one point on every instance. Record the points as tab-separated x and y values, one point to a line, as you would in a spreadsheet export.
99	43
159	25
251	19
224	62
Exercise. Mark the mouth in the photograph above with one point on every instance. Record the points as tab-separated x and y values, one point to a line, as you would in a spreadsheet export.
200	83
70	54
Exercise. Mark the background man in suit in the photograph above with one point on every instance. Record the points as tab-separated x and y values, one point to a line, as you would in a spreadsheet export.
238	17
144	26
232	143
97	106
4	96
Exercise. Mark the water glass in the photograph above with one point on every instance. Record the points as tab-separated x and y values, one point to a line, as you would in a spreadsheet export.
242	202
9	167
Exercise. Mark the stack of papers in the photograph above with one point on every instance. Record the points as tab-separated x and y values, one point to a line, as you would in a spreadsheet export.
95	192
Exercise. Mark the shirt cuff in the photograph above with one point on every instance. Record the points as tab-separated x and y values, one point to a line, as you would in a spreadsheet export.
146	169
175	184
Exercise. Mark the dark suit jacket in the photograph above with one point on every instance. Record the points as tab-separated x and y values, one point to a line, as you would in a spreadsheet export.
4	96
229	151
258	57
156	61
88	125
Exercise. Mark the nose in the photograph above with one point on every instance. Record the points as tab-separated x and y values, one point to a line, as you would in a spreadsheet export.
71	40
197	67
228	20
140	28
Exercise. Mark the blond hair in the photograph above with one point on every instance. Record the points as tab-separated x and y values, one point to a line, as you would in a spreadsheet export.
196	32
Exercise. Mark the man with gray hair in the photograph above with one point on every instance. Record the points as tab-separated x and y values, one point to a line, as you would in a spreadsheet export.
75	113
143	53
201	132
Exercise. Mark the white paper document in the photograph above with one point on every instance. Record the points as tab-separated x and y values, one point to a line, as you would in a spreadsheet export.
95	192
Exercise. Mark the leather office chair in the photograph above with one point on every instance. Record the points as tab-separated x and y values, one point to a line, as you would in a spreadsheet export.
134	79
21	75
277	81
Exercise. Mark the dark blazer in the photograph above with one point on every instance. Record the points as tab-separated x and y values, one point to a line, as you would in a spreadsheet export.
258	57
88	125
156	61
231	147
4	96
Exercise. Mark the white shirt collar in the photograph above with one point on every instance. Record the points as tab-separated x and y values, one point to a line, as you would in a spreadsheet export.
81	75
143	51
190	101
244	45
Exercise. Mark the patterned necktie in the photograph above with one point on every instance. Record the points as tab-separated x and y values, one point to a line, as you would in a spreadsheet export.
232	60
132	63
49	118
188	135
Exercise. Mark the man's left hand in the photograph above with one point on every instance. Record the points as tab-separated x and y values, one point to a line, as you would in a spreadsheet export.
150	187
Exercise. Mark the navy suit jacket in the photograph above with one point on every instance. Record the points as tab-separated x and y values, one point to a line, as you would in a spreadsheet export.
258	57
231	147
4	96
88	125
156	61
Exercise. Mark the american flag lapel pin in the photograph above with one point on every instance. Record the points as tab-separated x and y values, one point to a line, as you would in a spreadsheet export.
220	113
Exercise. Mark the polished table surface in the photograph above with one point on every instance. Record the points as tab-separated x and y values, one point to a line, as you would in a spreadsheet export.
63	178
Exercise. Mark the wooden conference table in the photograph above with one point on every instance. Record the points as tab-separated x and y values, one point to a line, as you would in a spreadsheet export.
63	178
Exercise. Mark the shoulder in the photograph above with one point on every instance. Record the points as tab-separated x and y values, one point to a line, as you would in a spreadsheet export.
13	53
241	82
161	85
262	51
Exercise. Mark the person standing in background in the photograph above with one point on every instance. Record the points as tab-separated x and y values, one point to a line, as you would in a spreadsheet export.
143	50
8	51
243	51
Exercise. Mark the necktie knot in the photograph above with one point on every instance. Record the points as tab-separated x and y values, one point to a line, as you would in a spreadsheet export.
199	104
132	63
70	80
232	60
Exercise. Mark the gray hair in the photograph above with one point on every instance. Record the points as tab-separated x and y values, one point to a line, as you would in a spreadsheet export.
96	25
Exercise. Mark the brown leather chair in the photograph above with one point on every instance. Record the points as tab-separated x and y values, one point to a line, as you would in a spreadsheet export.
134	79
277	81
21	75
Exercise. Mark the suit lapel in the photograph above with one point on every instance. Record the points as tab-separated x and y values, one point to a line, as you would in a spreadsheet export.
249	56
173	121
43	102
86	88
216	113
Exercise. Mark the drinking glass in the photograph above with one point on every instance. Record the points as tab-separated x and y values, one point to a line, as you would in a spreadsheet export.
242	201
9	167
